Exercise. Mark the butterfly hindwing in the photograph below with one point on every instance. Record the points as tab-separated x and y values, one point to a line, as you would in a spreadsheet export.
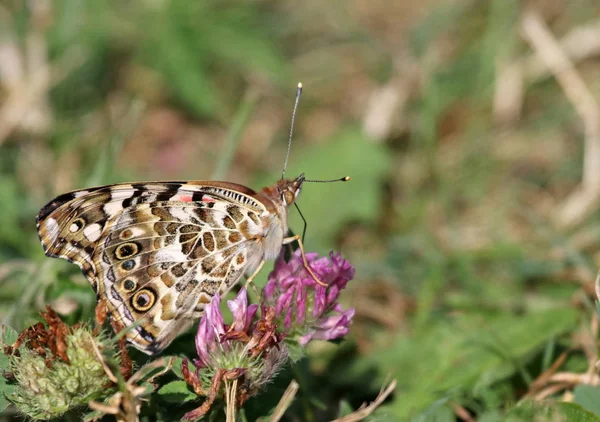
163	261
156	251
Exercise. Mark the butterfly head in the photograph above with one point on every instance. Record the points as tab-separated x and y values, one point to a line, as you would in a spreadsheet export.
288	190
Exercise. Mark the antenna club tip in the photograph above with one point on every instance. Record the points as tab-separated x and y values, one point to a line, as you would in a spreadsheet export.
345	179
299	85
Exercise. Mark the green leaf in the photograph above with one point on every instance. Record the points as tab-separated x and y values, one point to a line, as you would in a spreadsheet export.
92	416
177	392
295	351
176	367
588	397
153	369
439	411
344	409
4	391
574	412
8	337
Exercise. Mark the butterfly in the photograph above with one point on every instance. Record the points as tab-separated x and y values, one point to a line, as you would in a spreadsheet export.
156	253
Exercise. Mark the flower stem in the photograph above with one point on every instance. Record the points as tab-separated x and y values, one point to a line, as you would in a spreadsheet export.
231	397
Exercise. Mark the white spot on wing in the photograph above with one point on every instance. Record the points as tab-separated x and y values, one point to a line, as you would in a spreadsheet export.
179	213
113	207
93	232
137	232
73	228
171	254
52	227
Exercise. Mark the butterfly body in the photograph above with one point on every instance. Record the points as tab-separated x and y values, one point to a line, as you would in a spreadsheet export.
157	252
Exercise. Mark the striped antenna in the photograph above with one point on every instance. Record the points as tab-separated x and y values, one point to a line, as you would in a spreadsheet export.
343	179
298	93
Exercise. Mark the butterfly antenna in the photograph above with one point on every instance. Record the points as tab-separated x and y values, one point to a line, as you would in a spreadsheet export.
343	179
298	92
303	220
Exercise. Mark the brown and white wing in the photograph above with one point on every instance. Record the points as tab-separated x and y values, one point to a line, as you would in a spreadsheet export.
156	252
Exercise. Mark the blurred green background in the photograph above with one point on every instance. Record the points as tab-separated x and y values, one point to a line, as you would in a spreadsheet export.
471	131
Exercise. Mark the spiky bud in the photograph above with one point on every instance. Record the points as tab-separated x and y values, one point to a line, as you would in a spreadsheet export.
56	368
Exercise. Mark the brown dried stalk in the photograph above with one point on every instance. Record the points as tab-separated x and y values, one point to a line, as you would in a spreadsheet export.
587	196
285	401
366	410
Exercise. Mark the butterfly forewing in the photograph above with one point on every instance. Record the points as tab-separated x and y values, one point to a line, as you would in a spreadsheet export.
157	252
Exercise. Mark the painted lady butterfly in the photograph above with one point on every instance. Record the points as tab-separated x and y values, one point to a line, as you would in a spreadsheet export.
157	252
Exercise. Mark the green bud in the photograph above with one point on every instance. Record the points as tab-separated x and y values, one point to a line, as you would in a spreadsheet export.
49	387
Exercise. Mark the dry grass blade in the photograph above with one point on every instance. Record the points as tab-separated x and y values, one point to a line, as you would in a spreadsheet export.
462	413
579	44
508	94
32	91
111	376
366	410
544	377
551	390
582	201
104	408
285	401
574	378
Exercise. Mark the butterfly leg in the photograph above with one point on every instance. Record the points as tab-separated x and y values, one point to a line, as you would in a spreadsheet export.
249	279
298	239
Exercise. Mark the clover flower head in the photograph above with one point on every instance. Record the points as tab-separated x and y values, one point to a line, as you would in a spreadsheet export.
307	309
294	309
214	337
249	350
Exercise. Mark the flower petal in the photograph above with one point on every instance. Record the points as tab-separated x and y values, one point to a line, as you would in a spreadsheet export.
239	310
214	316
205	337
210	330
332	327
301	305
